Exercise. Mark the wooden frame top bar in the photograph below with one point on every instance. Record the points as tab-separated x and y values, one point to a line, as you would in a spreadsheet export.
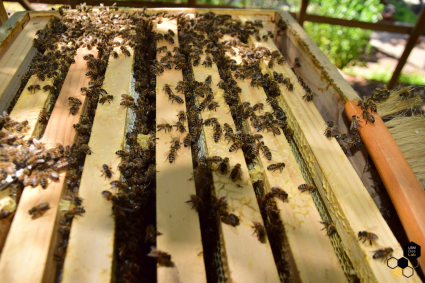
178	223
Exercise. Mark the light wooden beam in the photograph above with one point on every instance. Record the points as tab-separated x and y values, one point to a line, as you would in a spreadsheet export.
324	79
91	243
36	251
15	61
348	202
178	223
241	248
300	215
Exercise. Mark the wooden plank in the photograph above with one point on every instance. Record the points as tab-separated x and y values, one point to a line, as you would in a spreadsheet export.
178	223
15	62
348	202
91	242
242	249
323	78
381	26
302	12
300	215
36	251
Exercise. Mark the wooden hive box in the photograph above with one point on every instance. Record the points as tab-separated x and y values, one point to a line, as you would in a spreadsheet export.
163	167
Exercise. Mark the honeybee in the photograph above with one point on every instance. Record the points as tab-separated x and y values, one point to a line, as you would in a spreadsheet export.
365	235
43	116
328	132
172	155
259	230
122	153
279	193
236	172
298	61
182	116
125	51
175	143
39	210
309	96
235	146
167	89
229	219
4	214
266	151
217	134
74	109
330	228
180	127
34	87
187	140
223	167
165	126
355	124
258	106
306	187
196	202
106	171
151	234
277	166
84	148
383	254
74	212
368	117
175	98
162	258
106	98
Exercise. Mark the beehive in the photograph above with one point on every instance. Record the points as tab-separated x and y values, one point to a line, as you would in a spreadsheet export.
110	240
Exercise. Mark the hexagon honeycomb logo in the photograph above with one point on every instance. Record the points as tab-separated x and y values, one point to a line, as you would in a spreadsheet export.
400	266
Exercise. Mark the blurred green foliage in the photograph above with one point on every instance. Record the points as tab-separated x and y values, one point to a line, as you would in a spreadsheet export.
342	45
403	12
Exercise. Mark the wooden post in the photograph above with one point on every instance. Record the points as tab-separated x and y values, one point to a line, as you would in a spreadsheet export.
36	251
300	213
414	35
302	12
242	249
3	14
178	223
26	5
15	61
405	191
348	202
91	243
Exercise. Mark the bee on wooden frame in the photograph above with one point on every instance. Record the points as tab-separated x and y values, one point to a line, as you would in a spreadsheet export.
171	155
39	210
259	230
298	62
162	258
229	219
106	171
306	187
33	88
309	95
367	236
236	172
330	228
196	202
277	166
383	254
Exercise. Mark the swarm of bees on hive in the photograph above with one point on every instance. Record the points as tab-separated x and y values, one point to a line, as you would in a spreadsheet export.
28	162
